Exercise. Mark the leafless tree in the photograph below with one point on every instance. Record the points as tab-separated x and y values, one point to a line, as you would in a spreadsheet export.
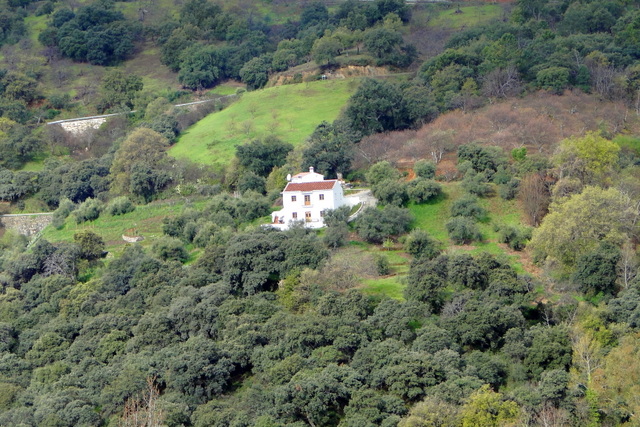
502	83
628	264
534	194
144	411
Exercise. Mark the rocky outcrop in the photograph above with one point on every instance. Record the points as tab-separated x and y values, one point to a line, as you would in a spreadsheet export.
26	224
81	126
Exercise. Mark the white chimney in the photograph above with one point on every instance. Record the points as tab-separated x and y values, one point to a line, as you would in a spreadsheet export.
310	169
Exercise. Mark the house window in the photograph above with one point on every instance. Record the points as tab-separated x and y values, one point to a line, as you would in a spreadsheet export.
307	216
294	215
321	197
293	198
321	214
307	199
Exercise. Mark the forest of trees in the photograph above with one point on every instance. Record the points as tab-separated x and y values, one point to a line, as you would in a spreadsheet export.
221	322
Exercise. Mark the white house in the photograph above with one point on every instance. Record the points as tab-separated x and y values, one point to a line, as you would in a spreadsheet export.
306	198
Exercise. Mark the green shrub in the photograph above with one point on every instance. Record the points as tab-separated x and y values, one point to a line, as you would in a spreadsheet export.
169	248
89	210
391	192
65	207
463	230
515	237
468	206
423	189
120	206
425	169
509	190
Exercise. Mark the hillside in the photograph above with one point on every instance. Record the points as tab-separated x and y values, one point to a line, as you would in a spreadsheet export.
491	276
290	112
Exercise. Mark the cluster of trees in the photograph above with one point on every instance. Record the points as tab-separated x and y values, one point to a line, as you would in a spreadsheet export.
249	311
547	45
97	33
388	187
207	44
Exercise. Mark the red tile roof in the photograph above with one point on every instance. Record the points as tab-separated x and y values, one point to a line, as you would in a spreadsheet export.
310	186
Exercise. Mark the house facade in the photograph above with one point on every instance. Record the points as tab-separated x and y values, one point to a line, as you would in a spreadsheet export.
306	198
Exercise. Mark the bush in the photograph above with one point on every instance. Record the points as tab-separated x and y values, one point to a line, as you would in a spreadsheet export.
65	207
468	206
463	230
421	245
425	169
120	206
89	210
391	192
509	190
170	248
422	190
381	171
477	183
336	235
375	225
382	265
515	237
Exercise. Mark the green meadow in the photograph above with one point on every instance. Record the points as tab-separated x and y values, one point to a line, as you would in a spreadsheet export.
290	112
145	221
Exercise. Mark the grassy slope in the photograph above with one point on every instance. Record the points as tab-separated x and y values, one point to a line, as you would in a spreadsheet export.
146	219
471	15
290	112
432	217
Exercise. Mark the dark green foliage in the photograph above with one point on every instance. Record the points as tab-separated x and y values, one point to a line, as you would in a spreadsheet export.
169	248
375	225
97	34
377	106
548	348
249	181
120	206
336	236
421	245
382	171
86	179
387	47
515	237
425	169
330	148
201	66
463	230
382	265
391	192
423	286
509	190
477	184
88	211
468	206
261	156
146	181
255	261
596	271
626	308
483	159
255	73
91	245
422	190
465	271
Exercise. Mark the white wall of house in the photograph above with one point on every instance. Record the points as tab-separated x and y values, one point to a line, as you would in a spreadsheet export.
309	204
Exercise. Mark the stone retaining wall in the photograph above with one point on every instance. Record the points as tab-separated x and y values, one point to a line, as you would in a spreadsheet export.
26	224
